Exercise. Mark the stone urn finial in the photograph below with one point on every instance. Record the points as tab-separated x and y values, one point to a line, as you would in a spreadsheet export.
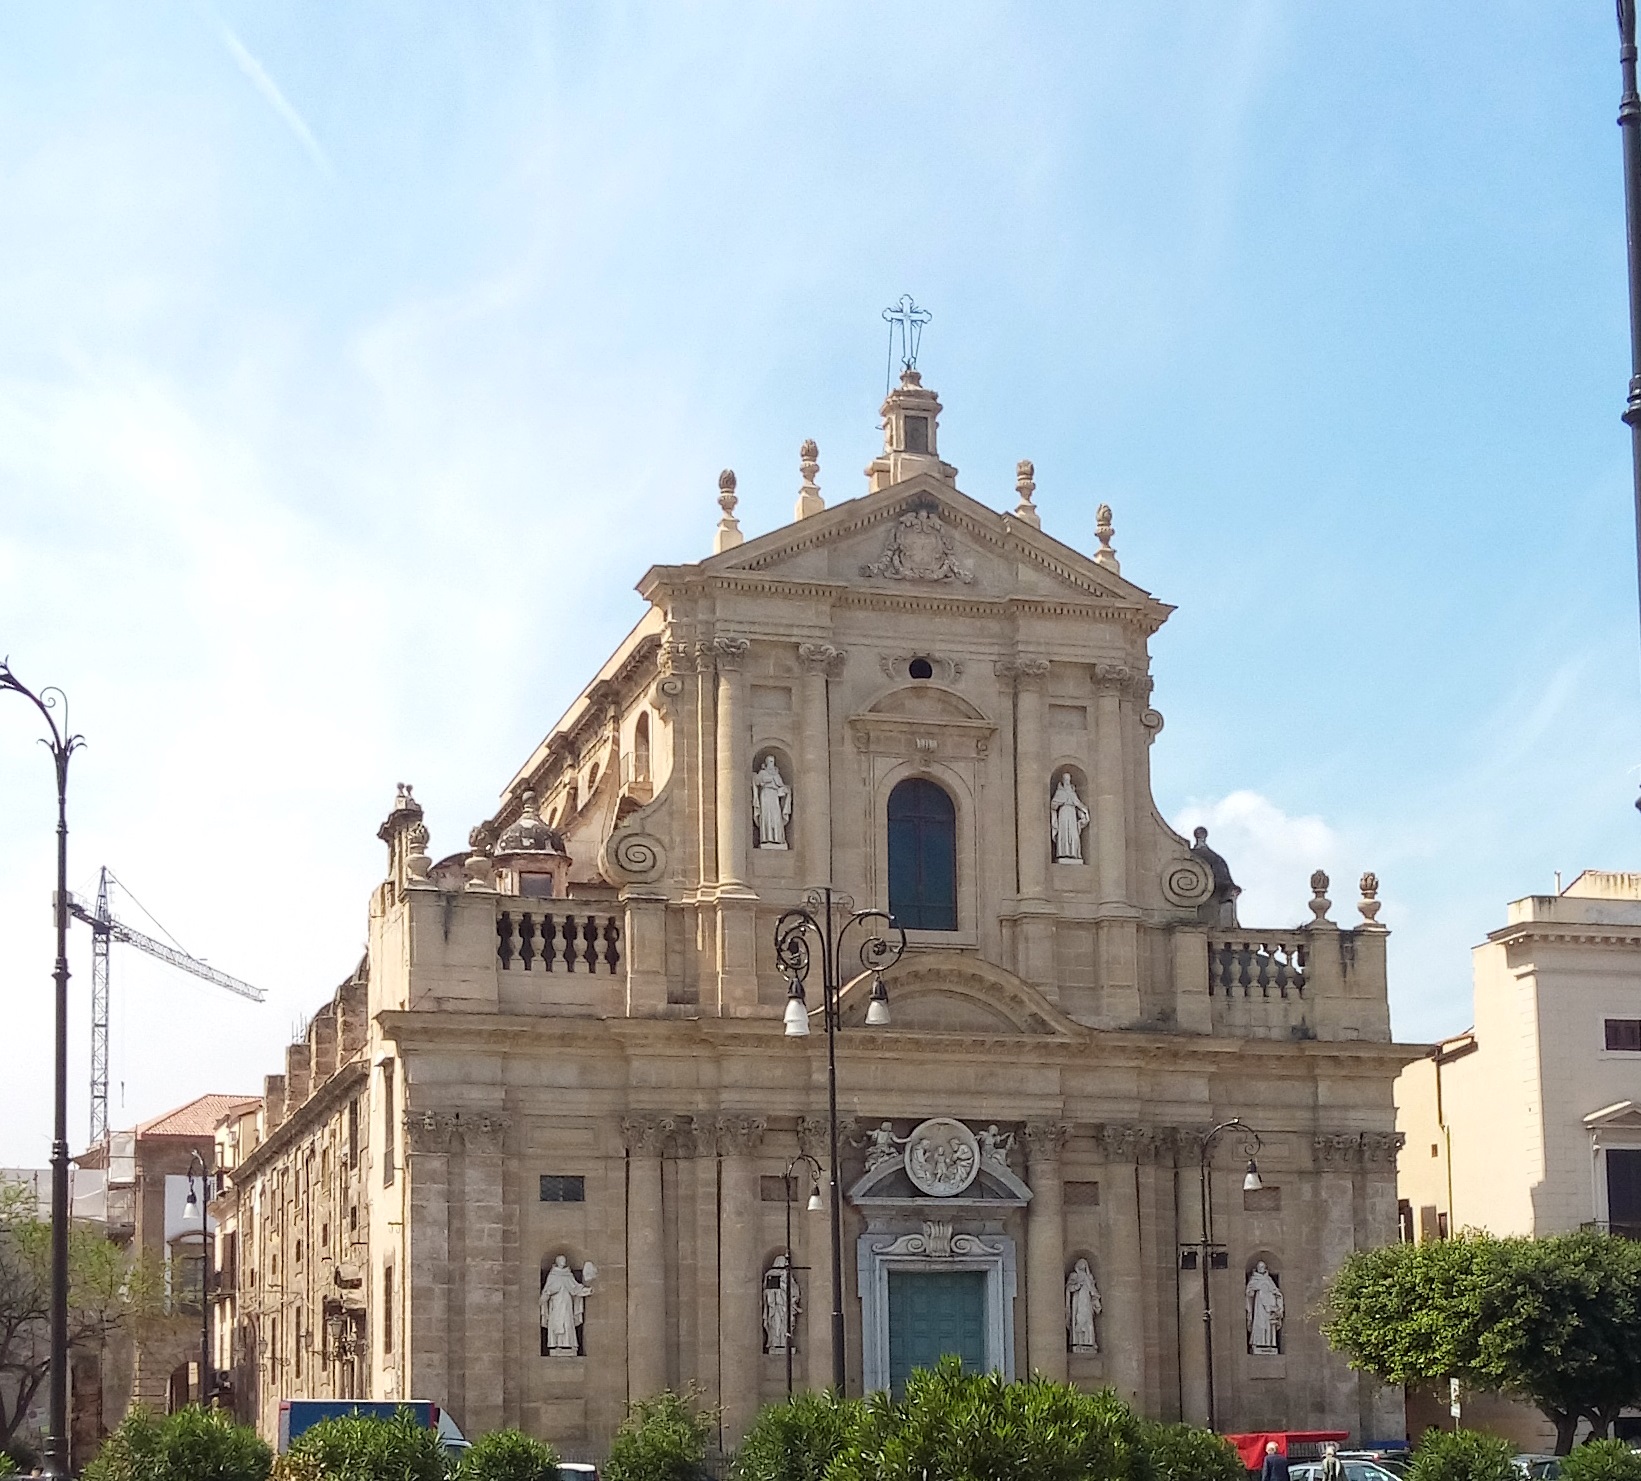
1320	904
1025	486
1105	530
809	494
728	535
1369	903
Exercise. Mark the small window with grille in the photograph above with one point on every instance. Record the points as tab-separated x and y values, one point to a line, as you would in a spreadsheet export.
555	1188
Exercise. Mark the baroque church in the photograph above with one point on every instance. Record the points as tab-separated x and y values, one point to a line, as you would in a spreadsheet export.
561	1141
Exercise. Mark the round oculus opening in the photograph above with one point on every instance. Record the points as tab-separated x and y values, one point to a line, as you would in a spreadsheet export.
920	668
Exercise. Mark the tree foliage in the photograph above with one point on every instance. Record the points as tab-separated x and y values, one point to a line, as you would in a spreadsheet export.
1185	1452
193	1444
356	1447
1553	1321
1602	1460
662	1439
799	1439
508	1455
106	1290
1462	1455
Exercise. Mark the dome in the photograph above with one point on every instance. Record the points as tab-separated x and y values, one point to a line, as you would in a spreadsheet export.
527	834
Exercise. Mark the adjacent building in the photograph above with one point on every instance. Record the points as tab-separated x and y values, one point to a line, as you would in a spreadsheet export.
537	1156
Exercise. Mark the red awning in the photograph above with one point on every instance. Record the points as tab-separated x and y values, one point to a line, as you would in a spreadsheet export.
1252	1447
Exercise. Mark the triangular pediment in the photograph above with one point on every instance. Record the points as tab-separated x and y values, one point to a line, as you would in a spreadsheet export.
1624	1115
924	537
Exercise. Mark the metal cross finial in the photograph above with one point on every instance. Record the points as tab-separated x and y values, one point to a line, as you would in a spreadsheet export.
910	319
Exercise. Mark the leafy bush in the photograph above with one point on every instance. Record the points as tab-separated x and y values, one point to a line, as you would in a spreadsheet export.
957	1426
193	1444
1602	1460
509	1455
798	1440
1462	1455
661	1439
8	1467
357	1448
1182	1452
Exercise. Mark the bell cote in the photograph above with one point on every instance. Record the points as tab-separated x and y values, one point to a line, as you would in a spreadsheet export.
911	436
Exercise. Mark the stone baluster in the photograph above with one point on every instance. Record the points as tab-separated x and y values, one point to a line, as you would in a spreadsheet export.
646	1138
740	1336
821	661
1045	1250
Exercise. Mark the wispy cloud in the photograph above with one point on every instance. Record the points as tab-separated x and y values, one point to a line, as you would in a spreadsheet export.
270	90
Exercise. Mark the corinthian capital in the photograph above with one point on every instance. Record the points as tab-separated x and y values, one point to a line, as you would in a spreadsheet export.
821	658
729	653
1045	1141
646	1135
740	1135
1022	670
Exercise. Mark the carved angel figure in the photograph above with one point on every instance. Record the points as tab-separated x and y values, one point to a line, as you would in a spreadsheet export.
771	804
1068	817
994	1146
881	1146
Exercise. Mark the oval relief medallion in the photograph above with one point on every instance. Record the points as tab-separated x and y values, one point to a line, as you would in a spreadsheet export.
942	1157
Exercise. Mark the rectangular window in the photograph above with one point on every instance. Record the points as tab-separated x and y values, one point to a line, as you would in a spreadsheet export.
1266	1200
772	1189
353	1133
556	1188
1624	1033
389	1141
387	1311
1441	1226
1404	1220
1624	1191
299	1336
1082	1195
917	434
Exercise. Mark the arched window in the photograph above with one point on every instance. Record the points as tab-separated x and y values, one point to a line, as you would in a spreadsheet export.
641	749
922	857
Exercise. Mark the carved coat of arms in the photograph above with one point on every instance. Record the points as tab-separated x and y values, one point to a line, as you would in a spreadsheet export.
919	549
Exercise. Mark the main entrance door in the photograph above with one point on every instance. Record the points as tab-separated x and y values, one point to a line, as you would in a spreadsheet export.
933	1313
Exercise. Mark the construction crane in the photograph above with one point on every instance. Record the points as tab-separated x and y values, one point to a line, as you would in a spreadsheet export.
105	930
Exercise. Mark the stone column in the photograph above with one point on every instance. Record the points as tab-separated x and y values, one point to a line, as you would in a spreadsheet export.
734	760
1110	817
1122	1278
426	1278
740	1330
483	1317
813	786
646	1138
1045	1251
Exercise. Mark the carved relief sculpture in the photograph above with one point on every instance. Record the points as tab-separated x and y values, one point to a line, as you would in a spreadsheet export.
994	1147
564	1306
942	1157
783	1303
882	1145
1264	1309
1082	1306
1068	817
771	804
919	549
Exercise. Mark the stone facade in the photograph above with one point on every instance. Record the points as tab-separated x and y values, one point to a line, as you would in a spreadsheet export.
573	1044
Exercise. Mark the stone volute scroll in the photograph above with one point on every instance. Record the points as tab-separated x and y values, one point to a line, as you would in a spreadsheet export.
564	1305
783	1304
771	805
1082	1306
1068	816
1264	1310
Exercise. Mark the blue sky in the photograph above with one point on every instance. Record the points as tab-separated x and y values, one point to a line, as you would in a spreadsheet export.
355	360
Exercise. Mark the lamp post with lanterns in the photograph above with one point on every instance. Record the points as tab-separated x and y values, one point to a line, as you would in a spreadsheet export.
194	1206
814	1207
822	927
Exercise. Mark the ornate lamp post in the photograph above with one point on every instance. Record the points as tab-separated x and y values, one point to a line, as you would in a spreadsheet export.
824	922
1629	122
813	1206
191	1207
62	745
1205	1253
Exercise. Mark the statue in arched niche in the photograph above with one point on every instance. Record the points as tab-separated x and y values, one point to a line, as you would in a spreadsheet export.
771	804
1082	1306
1067	818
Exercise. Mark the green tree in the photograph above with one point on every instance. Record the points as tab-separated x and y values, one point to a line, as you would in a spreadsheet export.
191	1445
1554	1321
662	1439
8	1467
1462	1455
106	1291
1183	1452
358	1448
1602	1460
509	1455
798	1440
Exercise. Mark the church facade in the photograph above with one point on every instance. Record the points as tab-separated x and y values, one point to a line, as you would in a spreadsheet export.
541	1154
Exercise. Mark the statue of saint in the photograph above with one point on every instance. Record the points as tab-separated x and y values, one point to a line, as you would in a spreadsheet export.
771	804
1265	1309
783	1302
564	1304
1068	817
1082	1306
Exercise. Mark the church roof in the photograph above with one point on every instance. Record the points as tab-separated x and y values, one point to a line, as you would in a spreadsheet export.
198	1117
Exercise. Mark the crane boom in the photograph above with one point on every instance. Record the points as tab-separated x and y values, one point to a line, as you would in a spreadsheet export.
119	931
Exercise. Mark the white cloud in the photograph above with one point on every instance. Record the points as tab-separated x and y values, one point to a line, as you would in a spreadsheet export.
1271	854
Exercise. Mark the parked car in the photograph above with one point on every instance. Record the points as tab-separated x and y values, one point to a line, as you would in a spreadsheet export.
1399	1461
577	1470
297	1415
1537	1467
1355	1470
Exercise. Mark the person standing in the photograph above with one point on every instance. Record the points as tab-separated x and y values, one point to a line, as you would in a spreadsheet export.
1276	1464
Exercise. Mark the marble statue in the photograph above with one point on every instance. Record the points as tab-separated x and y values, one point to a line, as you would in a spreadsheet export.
994	1146
1264	1309
942	1157
881	1146
1082	1306
564	1305
1068	817
783	1302
771	804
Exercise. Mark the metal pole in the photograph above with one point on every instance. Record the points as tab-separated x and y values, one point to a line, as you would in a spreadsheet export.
1207	1265
788	1295
204	1279
829	989
1629	122
62	746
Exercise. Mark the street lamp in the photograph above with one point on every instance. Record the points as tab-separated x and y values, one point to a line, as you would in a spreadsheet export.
194	1207
1205	1253
62	745
826	920
814	1207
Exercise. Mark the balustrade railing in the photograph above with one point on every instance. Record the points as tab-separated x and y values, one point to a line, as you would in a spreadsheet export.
532	941
1263	965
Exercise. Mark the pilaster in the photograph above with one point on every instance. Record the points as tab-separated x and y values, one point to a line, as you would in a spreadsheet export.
1045	1250
646	1137
740	1288
821	662
483	1314
1122	1277
426	1276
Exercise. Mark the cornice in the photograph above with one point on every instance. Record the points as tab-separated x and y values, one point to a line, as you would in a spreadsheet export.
315	1109
1580	933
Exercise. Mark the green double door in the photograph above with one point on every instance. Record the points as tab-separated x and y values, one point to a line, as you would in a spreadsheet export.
934	1313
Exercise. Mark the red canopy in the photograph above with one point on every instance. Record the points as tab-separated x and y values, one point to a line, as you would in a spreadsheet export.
1252	1447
